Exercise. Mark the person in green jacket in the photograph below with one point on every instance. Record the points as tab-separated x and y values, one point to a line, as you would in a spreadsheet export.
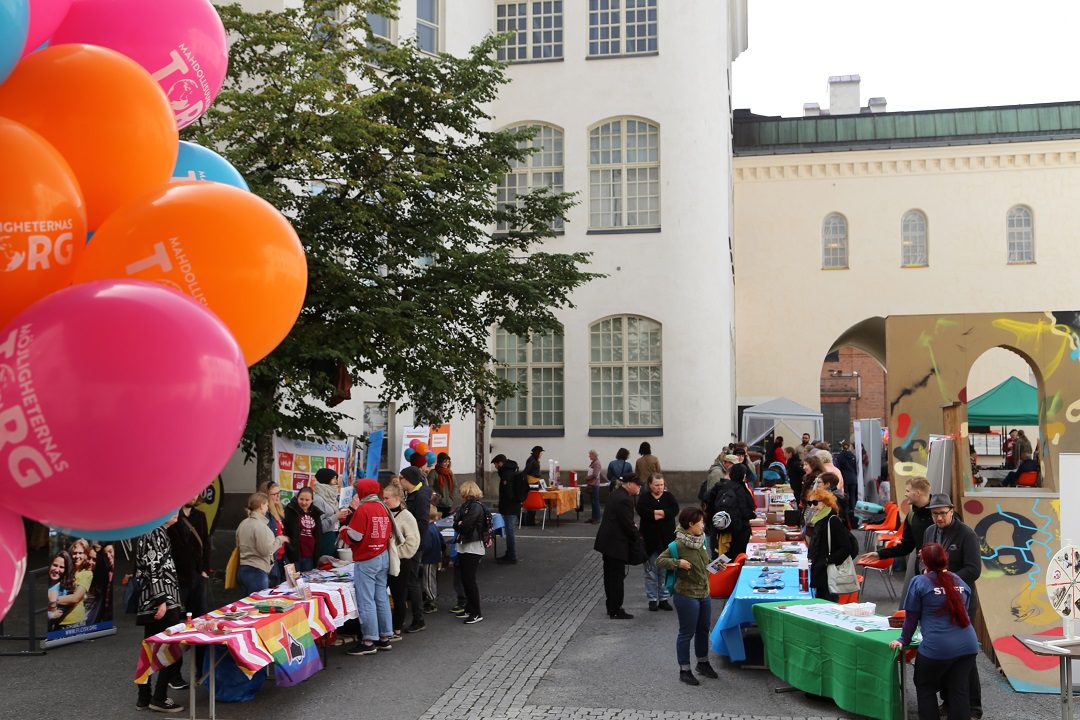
691	596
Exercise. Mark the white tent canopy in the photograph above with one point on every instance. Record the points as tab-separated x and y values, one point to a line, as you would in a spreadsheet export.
785	417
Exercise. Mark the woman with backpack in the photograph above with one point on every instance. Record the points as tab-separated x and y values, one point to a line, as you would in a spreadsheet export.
619	468
687	557
469	524
732	496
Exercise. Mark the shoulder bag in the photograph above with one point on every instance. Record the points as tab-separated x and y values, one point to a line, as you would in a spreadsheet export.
842	579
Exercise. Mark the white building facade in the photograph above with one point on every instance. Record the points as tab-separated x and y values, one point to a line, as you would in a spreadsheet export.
632	102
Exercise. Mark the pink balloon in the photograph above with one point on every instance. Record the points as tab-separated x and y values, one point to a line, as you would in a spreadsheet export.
180	42
12	559
45	17
119	402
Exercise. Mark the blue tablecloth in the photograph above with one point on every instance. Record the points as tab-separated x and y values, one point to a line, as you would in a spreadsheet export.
726	636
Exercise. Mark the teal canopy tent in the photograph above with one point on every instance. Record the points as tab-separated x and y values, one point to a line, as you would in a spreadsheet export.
1013	402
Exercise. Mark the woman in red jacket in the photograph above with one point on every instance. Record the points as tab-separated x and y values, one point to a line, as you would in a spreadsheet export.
368	534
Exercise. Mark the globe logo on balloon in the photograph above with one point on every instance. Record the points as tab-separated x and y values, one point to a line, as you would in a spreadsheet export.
181	94
10	258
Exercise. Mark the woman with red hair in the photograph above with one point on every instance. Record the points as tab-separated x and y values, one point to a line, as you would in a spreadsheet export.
939	602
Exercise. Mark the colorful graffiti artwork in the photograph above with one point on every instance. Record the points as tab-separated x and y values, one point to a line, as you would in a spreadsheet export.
928	359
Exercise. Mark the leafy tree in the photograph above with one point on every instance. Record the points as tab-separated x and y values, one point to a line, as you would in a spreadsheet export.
377	154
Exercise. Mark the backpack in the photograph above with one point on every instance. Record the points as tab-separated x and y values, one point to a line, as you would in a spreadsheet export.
673	550
487	529
726	499
483	531
520	486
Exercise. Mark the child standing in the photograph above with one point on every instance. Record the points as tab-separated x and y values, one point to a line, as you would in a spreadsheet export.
429	563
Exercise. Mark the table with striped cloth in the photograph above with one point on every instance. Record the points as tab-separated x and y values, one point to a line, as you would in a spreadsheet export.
327	609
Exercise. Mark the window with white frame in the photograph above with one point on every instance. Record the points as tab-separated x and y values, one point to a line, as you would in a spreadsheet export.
914	247
624	174
625	373
428	21
622	27
536	367
542	169
382	27
834	242
536	30
1020	228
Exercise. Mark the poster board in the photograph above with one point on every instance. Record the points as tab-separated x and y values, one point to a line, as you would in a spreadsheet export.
297	461
84	570
939	465
437	438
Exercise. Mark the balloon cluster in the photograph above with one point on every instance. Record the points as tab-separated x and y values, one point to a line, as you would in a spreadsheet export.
123	360
418	454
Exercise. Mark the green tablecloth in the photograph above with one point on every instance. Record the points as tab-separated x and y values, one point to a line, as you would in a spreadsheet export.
857	670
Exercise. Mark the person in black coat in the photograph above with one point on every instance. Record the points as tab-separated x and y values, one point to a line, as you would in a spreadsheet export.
303	526
658	510
830	544
513	487
532	470
617	540
731	495
848	465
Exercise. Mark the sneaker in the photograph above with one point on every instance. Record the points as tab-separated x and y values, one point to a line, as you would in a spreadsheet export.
416	627
664	605
142	703
652	606
384	645
458	607
706	670
362	648
461	615
620	614
473	619
396	636
431	608
688	677
165	706
178	684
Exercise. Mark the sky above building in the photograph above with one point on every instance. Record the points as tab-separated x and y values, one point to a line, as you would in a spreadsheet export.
918	54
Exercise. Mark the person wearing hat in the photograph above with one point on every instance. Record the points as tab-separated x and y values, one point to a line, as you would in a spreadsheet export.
616	540
369	534
532	470
418	503
513	487
961	544
717	472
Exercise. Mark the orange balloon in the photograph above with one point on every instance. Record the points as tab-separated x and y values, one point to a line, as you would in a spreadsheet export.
227	248
104	113
42	219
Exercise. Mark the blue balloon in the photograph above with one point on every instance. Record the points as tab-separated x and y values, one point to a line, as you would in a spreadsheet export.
194	162
409	452
120	533
430	457
14	22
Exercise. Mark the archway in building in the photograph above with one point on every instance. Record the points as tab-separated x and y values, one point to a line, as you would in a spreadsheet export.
852	387
1002	394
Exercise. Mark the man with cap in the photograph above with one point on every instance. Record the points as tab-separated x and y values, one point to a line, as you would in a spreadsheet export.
615	540
513	487
717	471
962	546
418	503
532	469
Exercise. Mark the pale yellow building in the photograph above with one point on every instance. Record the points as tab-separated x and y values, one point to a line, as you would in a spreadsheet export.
840	219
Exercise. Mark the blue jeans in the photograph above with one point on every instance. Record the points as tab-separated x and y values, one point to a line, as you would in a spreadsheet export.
655	579
252	579
694	618
372	603
594	493
509	525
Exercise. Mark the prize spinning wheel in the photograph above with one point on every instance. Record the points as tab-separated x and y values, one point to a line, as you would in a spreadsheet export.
1063	582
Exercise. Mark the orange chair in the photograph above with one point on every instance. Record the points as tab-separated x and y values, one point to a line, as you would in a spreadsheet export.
1028	479
534	501
852	597
891	523
722	584
883	568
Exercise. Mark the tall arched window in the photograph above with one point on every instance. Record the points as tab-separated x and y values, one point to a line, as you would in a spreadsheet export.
624	174
914	247
1020	233
834	242
544	168
536	367
626	383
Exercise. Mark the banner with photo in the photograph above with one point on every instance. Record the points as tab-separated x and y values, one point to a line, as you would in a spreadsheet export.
79	589
297	462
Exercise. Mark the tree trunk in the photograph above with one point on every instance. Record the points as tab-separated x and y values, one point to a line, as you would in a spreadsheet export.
264	457
481	418
264	391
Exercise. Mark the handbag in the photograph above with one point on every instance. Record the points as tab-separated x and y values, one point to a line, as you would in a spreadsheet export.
232	568
842	578
637	554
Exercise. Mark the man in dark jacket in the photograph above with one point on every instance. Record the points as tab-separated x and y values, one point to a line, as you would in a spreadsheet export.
532	470
658	510
915	525
965	560
615	540
513	487
418	503
848	465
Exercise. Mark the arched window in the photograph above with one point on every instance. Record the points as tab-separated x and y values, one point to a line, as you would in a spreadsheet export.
914	247
625	373
1020	232
536	367
834	242
624	174
544	168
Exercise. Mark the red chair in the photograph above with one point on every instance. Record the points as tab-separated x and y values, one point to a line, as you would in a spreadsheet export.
891	523
534	501
883	568
852	597
1028	479
722	584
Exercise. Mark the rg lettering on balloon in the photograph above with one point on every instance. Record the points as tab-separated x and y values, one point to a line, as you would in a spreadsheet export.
48	243
27	447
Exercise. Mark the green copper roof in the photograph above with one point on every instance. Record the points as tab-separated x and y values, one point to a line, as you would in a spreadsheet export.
760	135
